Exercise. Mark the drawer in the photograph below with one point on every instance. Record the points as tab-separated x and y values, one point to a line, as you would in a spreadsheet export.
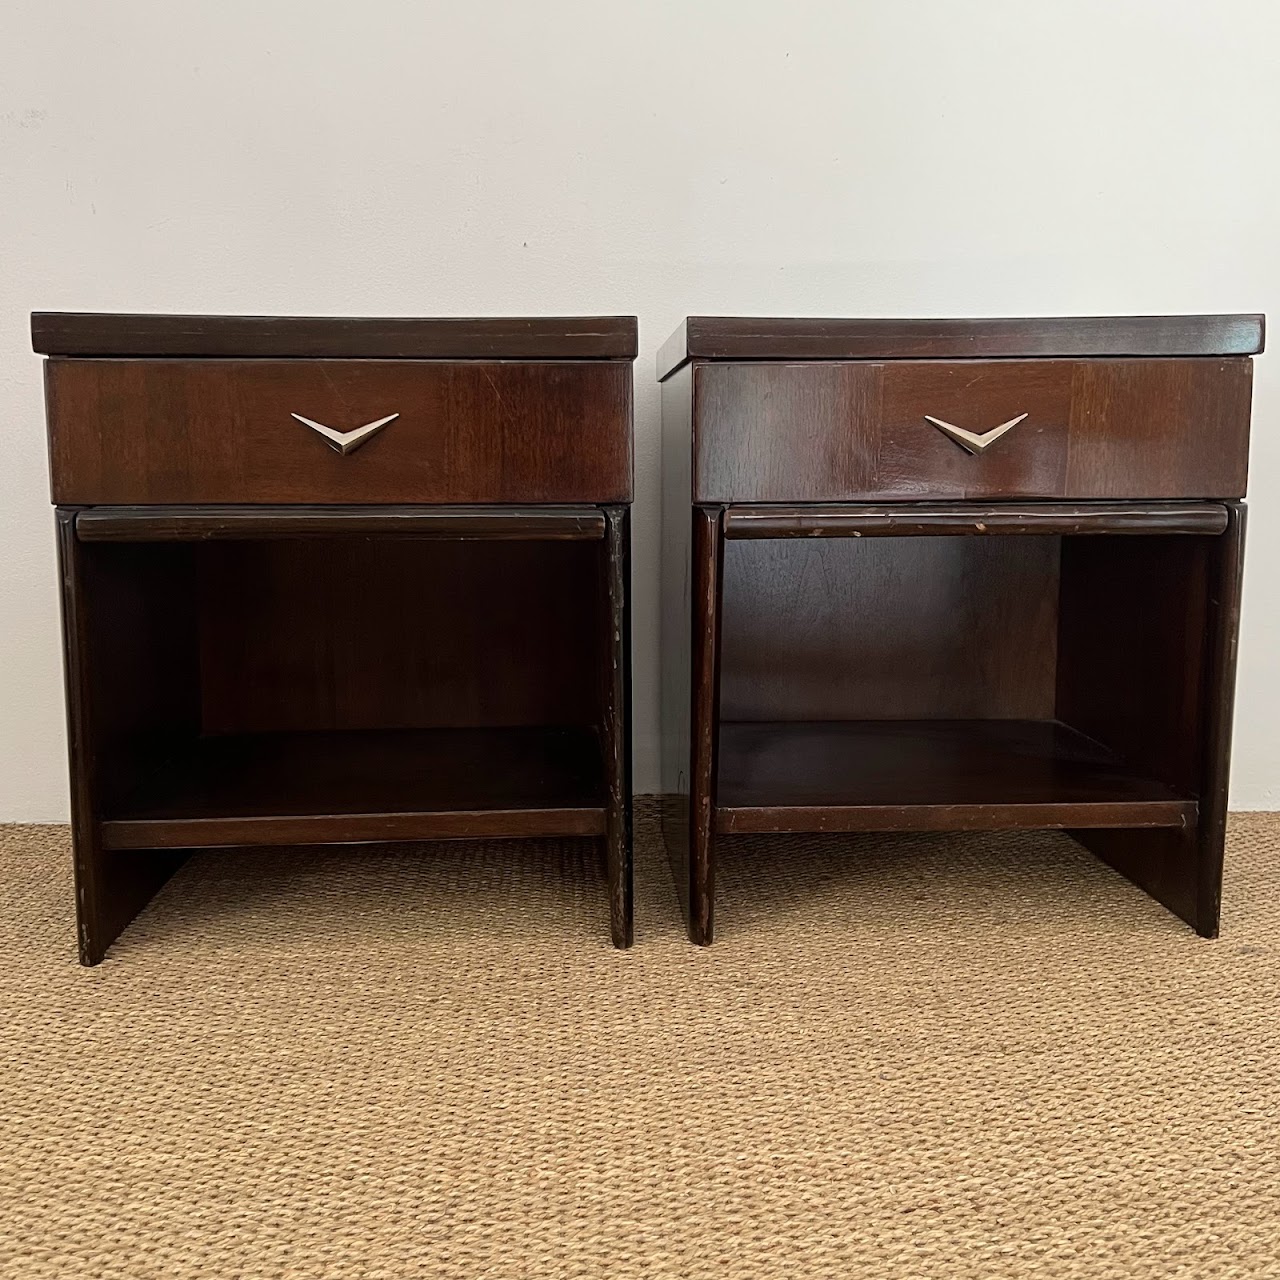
851	430
338	431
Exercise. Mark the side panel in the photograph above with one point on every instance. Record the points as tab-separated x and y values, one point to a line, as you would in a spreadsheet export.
1148	637
676	655
107	628
704	729
615	664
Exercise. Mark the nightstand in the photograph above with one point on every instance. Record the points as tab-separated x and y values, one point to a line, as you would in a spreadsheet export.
955	575
339	581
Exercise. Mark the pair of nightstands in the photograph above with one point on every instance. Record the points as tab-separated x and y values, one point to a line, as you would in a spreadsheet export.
368	580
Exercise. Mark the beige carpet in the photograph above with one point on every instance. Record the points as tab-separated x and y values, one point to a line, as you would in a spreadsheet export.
904	1057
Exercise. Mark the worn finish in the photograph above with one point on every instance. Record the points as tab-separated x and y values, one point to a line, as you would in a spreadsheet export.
615	734
760	338
89	334
110	891
925	519
707	562
275	637
139	432
957	576
1095	429
208	524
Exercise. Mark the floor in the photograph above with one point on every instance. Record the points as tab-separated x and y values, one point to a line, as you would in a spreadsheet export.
924	1056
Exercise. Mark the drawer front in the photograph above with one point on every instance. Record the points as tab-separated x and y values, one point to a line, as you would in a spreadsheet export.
338	431
971	429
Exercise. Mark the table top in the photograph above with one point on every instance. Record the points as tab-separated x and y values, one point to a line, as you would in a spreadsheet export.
764	338
88	334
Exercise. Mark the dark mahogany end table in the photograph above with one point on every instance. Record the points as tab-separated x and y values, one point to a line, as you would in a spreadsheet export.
955	575
338	581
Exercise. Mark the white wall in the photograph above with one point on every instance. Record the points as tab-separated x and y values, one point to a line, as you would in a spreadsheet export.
852	157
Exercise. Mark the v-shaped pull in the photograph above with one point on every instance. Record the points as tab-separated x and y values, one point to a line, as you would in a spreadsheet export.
972	441
346	441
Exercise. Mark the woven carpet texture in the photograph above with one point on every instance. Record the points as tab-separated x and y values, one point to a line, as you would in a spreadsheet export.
926	1056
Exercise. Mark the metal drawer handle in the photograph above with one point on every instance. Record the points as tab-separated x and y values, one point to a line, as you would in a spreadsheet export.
971	441
346	441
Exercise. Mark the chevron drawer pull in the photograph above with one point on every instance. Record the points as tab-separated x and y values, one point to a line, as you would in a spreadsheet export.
345	442
973	441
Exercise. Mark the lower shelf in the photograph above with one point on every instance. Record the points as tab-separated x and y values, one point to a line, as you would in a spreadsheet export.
929	775
403	784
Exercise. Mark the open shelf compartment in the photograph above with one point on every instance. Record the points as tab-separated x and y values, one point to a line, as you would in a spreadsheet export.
900	669
259	681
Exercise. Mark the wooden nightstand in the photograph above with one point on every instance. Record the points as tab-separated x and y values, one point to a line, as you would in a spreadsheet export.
333	580
943	575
